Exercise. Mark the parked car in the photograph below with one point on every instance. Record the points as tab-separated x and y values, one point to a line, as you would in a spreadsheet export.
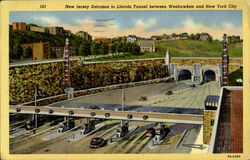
150	132
143	98
97	142
169	93
94	107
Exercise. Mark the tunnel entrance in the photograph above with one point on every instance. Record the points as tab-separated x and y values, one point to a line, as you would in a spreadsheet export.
184	75
208	76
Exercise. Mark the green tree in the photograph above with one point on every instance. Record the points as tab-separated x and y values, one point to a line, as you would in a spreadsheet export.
103	49
210	38
94	49
124	47
174	34
191	36
46	30
130	47
27	52
85	48
197	36
113	48
17	51
118	47
135	48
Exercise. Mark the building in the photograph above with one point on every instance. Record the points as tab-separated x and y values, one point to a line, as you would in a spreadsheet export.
103	40
19	26
131	38
167	37
68	33
233	39
176	37
57	52
204	36
40	50
184	35
146	45
227	131
156	37
124	38
37	29
56	30
84	35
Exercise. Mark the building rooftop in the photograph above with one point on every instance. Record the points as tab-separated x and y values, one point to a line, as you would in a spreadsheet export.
212	98
227	134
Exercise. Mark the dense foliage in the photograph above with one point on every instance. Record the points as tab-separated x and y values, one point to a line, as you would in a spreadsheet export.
83	47
234	76
49	77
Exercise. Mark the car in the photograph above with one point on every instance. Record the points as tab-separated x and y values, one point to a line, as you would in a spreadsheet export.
94	107
97	142
150	132
143	98
169	93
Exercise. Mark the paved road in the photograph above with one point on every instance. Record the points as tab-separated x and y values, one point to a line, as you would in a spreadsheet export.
183	96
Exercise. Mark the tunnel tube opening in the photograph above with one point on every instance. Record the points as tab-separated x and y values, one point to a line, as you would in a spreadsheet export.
184	75
208	76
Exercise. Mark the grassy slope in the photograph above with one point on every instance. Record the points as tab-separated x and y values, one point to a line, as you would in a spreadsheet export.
238	74
189	48
184	48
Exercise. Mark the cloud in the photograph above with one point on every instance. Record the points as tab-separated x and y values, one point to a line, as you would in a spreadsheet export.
189	23
86	21
94	28
148	24
145	28
48	20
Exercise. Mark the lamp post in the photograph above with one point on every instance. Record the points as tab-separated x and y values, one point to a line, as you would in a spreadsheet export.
35	115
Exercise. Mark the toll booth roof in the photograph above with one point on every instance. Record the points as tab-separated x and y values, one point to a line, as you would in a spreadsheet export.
212	99
211	102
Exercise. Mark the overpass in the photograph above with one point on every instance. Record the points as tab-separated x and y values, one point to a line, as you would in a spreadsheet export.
108	114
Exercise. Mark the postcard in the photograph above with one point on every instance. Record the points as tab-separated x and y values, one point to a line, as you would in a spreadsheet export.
128	79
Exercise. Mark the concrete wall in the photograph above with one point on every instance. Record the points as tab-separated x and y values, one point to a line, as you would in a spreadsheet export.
234	63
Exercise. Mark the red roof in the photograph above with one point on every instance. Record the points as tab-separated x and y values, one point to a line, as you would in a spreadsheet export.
237	121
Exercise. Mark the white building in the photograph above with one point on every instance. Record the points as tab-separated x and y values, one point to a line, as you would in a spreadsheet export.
131	38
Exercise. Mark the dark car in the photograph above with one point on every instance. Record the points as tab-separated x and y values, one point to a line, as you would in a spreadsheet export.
97	142
150	132
94	107
143	98
169	93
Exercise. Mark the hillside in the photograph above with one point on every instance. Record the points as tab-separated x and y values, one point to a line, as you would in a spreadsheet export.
18	37
183	48
190	48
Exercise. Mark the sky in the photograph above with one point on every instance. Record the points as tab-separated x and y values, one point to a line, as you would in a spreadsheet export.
111	24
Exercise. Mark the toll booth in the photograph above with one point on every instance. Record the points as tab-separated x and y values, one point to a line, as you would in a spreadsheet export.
160	133
34	121
210	105
122	129
87	127
66	125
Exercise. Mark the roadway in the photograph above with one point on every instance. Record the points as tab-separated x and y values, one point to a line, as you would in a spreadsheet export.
183	96
137	142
